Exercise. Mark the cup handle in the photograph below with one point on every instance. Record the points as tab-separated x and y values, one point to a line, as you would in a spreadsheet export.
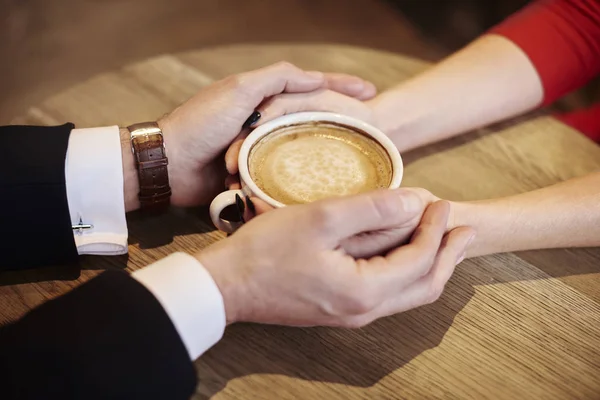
221	202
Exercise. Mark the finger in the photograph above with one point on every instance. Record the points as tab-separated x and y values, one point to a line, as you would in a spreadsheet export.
231	156
350	85
339	218
370	244
424	194
408	263
276	79
374	243
232	182
261	206
427	289
319	100
342	83
256	207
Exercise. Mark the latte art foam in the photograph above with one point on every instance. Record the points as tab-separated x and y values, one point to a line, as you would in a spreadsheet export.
309	162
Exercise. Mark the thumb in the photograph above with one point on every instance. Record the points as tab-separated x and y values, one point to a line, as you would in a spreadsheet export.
233	152
255	207
340	218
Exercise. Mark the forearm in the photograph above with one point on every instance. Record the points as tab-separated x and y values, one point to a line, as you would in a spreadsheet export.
563	215
489	80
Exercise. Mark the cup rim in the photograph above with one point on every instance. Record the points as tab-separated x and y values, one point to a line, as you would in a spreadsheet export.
305	117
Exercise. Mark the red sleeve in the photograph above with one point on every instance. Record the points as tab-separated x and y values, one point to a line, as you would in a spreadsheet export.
562	40
586	121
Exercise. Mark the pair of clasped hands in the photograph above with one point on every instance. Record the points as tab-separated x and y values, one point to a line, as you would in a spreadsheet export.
339	262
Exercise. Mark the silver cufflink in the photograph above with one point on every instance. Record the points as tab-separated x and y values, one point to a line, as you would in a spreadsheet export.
79	228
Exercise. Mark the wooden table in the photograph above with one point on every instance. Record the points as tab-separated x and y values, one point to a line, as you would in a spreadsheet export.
511	326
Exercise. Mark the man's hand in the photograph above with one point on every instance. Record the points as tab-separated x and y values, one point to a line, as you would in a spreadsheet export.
299	265
198	132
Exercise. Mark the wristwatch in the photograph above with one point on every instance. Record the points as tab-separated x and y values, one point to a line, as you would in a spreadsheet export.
151	161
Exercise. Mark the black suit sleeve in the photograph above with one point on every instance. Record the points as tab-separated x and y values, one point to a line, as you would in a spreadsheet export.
33	197
108	339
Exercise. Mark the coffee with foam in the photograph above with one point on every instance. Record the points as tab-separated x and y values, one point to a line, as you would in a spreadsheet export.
311	161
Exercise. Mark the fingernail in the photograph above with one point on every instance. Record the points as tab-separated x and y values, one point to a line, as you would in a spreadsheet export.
255	116
315	74
239	203
461	258
250	205
410	201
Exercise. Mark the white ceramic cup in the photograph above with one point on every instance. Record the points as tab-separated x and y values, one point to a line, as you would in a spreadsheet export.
250	189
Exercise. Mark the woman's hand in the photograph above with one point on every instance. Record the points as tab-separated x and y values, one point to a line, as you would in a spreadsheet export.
397	233
289	103
199	131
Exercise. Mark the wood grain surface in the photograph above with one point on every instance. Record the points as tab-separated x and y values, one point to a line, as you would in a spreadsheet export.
509	326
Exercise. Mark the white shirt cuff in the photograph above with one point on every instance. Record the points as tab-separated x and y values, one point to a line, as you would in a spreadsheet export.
94	180
190	297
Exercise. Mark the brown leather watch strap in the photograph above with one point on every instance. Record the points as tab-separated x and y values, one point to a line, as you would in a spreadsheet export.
151	161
